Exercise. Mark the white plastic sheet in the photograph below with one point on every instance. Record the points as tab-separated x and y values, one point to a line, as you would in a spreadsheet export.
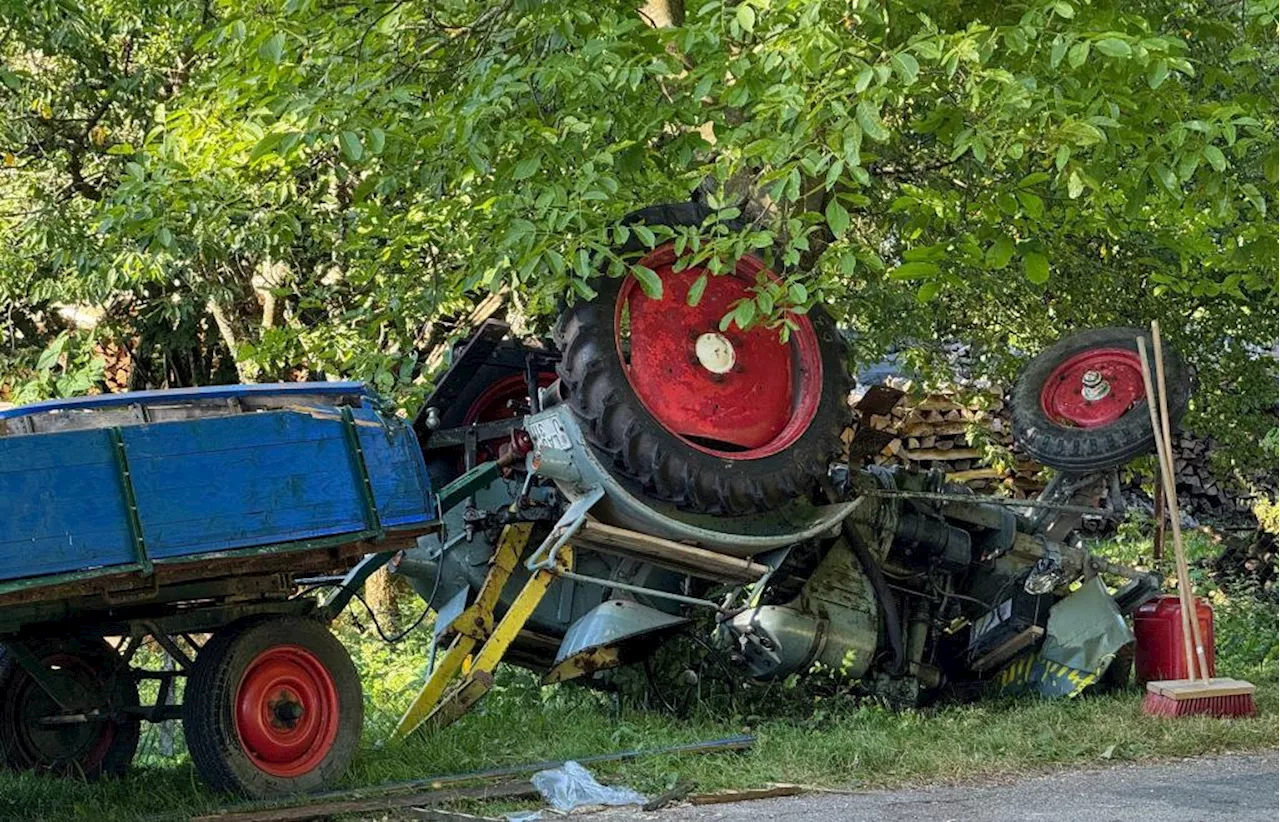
572	786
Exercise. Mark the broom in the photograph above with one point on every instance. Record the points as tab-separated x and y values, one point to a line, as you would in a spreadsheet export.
1198	695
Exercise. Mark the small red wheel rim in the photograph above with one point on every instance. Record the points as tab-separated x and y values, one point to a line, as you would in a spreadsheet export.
1093	388
735	394
286	711
83	745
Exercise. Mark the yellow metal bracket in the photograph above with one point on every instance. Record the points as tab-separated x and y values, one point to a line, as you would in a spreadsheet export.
445	697
479	680
471	628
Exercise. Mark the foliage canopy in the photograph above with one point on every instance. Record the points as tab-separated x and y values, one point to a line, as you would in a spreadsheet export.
322	186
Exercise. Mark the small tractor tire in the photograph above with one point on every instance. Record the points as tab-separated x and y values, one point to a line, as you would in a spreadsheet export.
1057	422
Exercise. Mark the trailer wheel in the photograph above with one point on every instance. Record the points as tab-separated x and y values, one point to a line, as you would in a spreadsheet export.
720	421
272	707
92	749
1080	405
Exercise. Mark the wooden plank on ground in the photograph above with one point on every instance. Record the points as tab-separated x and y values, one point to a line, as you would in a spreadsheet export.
721	797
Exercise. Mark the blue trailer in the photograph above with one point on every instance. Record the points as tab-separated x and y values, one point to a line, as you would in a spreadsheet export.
186	518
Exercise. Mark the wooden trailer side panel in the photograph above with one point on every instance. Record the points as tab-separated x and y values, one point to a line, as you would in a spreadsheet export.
203	485
61	503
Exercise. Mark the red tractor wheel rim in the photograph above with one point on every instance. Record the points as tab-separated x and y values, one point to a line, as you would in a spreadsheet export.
286	711
733	393
494	403
1093	388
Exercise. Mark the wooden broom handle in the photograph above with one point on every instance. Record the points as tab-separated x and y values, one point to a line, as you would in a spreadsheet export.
1173	502
1166	480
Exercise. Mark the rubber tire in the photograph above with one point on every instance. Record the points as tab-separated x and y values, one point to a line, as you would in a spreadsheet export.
208	721
618	426
119	756
1084	450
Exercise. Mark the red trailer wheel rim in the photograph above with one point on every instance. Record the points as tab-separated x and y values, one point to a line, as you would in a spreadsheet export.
1093	388
84	744
733	393
286	711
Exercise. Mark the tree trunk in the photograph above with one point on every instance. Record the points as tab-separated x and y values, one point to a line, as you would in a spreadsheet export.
383	596
663	14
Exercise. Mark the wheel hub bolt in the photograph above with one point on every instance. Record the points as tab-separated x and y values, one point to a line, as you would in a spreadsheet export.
286	711
1093	387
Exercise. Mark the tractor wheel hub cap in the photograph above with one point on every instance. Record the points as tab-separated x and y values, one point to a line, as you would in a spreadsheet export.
715	353
1093	386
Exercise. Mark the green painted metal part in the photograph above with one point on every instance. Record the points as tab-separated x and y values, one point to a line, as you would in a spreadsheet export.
371	516
464	486
351	583
131	501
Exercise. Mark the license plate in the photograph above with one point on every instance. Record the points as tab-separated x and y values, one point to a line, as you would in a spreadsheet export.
549	433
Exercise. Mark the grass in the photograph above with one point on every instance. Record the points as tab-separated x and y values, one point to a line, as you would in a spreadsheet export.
835	742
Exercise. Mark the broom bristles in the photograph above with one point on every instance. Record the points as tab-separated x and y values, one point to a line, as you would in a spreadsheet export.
1222	707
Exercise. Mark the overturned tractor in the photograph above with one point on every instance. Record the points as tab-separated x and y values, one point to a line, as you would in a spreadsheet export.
601	489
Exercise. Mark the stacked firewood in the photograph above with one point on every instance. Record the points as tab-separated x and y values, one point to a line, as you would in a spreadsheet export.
968	435
118	365
1209	496
957	433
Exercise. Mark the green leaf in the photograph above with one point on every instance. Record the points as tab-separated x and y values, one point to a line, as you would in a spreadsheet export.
1078	53
744	313
527	167
837	218
1036	267
649	281
927	291
1031	204
351	147
869	119
1064	9
1215	157
645	234
1114	47
377	140
1057	51
746	17
1075	186
1000	253
863	80
1158	74
49	357
797	294
165	237
695	290
1256	199
272	49
914	271
1165	177
906	66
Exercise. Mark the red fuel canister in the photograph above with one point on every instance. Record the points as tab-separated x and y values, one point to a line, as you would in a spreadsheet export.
1157	628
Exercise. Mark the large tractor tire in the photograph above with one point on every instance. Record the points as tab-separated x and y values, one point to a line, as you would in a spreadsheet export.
1080	406
715	421
100	681
273	707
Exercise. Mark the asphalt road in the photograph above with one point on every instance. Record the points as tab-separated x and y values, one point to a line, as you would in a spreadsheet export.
1240	788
